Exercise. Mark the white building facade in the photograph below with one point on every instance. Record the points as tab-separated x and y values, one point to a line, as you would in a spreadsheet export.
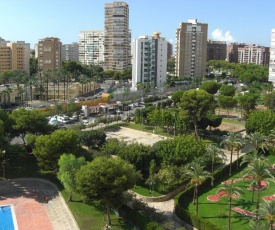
149	61
91	47
70	52
272	58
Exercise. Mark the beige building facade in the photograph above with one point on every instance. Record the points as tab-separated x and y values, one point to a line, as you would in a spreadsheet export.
191	49
49	54
14	56
117	36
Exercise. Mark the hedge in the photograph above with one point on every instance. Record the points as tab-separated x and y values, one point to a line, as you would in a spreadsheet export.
137	219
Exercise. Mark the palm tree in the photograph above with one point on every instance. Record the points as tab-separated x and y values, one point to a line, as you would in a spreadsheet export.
47	77
268	211
8	91
231	141
82	81
257	140
197	176
259	170
214	153
230	190
250	159
239	146
257	225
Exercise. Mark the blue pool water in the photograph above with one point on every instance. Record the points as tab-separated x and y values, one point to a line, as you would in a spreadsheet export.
6	220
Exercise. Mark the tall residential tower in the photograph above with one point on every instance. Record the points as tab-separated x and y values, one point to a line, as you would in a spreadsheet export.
149	61
191	49
272	58
117	36
14	56
91	47
70	52
49	54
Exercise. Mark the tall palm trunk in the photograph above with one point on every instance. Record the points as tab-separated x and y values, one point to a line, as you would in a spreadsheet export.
212	172
64	93
229	213
230	166
194	196
58	96
54	91
197	199
238	153
258	199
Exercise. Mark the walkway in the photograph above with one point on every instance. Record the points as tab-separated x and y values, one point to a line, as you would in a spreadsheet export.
32	212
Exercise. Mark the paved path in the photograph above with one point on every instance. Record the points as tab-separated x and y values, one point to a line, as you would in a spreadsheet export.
32	212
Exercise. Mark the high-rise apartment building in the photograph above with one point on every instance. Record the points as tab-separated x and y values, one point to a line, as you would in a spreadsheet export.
117	36
14	56
253	54
149	60
250	54
49	54
91	47
191	49
232	51
272	58
216	50
70	52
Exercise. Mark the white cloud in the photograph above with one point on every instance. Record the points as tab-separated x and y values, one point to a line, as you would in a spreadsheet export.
218	35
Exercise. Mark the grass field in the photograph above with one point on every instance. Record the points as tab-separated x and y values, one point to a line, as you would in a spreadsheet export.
88	217
91	217
217	212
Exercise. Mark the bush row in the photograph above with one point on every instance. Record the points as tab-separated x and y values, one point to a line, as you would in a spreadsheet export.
136	219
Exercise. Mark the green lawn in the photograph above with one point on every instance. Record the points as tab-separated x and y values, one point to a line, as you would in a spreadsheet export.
217	212
89	217
144	190
230	121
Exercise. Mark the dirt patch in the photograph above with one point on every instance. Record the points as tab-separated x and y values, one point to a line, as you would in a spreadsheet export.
134	136
225	126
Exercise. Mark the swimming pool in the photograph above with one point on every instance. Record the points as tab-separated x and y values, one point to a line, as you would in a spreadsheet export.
7	218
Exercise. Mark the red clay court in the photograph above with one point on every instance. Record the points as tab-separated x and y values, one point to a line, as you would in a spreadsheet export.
27	195
30	214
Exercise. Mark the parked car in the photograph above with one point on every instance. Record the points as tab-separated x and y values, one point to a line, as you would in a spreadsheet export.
118	111
73	118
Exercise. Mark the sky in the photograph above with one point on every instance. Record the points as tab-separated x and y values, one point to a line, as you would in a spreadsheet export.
243	21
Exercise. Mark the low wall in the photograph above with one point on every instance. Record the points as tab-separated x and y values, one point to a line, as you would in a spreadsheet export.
165	197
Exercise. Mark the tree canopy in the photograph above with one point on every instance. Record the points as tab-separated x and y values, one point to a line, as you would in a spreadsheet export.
210	87
227	90
179	150
68	167
29	121
106	180
262	121
92	138
48	148
195	105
